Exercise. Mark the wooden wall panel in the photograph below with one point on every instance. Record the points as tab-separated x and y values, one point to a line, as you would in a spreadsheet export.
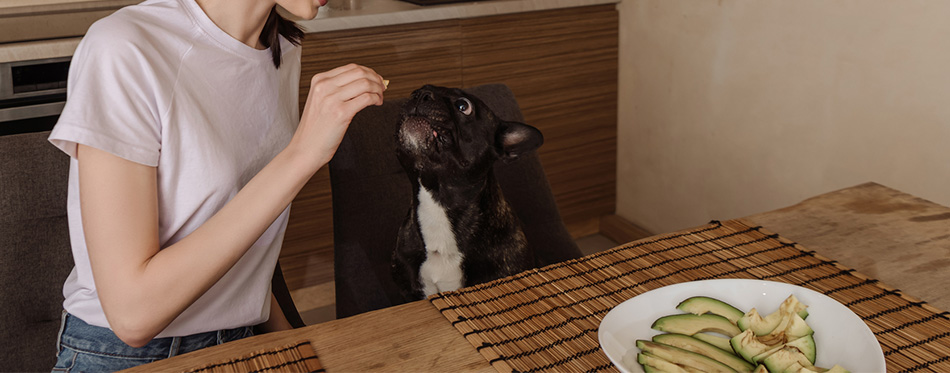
409	56
562	67
307	255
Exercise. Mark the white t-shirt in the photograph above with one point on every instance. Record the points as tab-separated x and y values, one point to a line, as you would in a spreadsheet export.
160	84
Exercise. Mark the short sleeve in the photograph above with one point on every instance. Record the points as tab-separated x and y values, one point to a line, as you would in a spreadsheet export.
112	96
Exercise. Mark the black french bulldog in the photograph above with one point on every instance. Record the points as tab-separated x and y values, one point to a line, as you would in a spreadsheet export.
460	231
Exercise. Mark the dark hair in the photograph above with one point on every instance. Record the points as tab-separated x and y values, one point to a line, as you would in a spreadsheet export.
275	27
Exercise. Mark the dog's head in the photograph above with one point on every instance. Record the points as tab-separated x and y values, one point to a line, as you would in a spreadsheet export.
446	131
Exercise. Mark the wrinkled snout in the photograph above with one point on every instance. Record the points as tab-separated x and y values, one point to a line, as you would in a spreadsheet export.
423	94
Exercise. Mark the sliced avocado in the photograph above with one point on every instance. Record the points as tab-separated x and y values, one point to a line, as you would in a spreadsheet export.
805	345
758	324
783	358
690	324
714	340
778	335
797	367
683	357
657	364
792	304
797	327
748	346
692	344
765	325
761	356
773	339
701	305
793	327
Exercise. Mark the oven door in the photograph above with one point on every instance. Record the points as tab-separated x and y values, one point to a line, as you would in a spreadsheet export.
30	118
32	94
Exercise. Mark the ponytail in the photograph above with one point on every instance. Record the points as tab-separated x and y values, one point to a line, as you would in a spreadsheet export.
275	27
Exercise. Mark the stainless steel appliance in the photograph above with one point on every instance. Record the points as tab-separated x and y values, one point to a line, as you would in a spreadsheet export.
32	94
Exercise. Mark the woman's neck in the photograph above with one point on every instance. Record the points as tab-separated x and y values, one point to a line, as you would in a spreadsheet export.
242	19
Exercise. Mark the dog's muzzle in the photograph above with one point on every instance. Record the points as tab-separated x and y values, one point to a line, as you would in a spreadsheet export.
415	133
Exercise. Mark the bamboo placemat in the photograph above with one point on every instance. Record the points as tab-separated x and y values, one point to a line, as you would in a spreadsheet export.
546	319
298	357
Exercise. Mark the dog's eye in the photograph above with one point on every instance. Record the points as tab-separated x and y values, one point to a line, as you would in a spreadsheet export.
464	106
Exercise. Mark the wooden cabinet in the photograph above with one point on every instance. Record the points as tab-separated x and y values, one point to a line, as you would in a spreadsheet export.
561	66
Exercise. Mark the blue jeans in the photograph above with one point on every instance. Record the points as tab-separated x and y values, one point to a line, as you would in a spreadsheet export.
86	348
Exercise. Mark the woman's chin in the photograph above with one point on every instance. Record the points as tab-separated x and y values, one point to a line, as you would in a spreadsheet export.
309	15
304	12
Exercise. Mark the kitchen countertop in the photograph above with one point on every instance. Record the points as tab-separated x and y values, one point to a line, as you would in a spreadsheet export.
372	13
333	17
11	8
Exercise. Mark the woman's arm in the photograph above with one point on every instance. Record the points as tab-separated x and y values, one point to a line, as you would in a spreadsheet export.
143	289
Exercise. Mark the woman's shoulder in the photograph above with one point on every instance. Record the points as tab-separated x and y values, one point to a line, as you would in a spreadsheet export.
154	24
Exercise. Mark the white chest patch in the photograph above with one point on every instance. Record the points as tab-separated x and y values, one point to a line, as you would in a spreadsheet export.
442	269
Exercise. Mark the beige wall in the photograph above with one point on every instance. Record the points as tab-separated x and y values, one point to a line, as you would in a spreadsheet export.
733	107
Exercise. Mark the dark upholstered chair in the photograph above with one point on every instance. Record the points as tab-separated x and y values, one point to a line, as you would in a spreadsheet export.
35	257
34	250
372	195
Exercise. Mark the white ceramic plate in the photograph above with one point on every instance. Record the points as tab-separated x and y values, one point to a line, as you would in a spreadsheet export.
840	336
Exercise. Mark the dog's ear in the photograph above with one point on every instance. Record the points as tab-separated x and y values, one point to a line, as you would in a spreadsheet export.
514	139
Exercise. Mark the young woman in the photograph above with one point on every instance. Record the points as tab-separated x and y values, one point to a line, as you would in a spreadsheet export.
186	151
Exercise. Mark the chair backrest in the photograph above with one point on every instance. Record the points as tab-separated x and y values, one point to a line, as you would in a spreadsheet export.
372	195
35	258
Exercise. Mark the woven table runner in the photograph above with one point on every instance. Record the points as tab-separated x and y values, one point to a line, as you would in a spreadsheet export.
546	319
298	357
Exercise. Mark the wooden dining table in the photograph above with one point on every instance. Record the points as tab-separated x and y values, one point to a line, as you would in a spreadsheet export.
883	253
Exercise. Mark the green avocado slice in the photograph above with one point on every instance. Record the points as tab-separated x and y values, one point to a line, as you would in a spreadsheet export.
714	340
780	360
692	344
701	305
804	344
754	321
651	362
690	324
767	324
746	345
683	357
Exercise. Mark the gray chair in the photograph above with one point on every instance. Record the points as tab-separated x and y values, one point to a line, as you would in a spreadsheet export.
34	250
372	194
35	257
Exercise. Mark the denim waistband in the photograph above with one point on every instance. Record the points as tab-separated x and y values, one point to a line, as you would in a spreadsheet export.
78	335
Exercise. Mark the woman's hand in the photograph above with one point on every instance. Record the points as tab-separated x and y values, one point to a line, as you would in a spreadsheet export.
335	97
